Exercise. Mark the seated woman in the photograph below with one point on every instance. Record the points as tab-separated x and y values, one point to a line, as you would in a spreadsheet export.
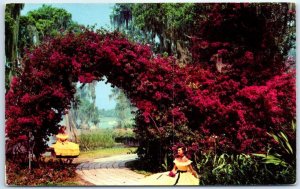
63	147
181	174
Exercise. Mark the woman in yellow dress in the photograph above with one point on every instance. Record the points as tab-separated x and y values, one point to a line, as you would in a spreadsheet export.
63	147
181	174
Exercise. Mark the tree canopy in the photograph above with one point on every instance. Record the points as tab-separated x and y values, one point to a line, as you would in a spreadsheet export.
23	32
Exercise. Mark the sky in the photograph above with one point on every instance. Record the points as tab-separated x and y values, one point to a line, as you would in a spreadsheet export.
88	14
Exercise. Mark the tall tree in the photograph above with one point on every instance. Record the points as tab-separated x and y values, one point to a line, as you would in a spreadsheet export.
122	21
23	32
43	23
165	27
84	108
123	107
12	24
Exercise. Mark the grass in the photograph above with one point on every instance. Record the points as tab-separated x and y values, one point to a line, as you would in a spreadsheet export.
103	152
102	138
92	140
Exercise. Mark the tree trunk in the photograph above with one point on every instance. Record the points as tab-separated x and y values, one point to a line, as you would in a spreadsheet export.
183	54
71	127
11	41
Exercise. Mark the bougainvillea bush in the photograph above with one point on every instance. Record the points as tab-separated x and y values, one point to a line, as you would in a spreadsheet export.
48	173
237	88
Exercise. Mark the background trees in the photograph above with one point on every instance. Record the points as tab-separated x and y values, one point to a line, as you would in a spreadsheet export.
23	32
124	109
12	22
164	26
43	23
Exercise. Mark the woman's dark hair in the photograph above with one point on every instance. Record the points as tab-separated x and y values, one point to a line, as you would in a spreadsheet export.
176	147
187	151
183	148
62	129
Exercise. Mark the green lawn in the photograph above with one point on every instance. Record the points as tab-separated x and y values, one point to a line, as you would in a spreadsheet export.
103	152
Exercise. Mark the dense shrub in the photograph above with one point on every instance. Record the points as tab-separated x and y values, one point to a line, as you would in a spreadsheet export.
46	173
125	136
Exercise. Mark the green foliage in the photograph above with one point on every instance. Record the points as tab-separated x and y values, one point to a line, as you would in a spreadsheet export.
239	165
44	22
12	19
125	137
270	159
121	16
102	138
123	133
283	152
165	164
171	18
124	111
87	112
107	113
25	31
278	166
242	169
99	138
84	107
160	24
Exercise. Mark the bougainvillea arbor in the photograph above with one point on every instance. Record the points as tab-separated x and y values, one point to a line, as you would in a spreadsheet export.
176	103
44	91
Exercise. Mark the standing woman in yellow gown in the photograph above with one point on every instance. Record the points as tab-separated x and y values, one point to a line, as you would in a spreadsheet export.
63	147
181	174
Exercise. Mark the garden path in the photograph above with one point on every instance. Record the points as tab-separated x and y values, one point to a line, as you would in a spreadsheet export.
110	171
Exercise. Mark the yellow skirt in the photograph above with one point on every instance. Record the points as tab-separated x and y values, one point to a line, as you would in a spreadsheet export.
185	178
66	148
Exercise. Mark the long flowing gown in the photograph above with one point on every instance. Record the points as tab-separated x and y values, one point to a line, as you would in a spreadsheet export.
183	176
65	148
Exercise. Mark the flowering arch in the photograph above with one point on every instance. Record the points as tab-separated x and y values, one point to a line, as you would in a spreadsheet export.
43	92
175	103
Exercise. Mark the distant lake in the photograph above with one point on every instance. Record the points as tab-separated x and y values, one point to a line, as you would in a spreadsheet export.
108	122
